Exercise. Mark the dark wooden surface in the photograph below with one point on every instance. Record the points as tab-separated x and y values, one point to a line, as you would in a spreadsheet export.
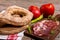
26	3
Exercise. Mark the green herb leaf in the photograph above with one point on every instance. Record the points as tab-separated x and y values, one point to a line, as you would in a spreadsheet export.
50	17
52	32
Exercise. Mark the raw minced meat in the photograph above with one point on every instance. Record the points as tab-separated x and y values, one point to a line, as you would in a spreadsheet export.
44	27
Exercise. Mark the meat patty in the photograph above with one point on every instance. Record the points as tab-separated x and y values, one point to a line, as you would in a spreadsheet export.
44	27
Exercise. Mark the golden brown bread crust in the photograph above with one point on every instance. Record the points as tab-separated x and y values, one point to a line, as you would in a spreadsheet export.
16	16
12	30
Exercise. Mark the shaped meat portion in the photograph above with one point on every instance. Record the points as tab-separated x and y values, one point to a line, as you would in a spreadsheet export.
44	27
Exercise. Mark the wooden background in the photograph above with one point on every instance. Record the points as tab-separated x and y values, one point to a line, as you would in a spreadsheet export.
26	3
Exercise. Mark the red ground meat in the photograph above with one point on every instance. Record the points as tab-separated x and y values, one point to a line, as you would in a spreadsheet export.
44	27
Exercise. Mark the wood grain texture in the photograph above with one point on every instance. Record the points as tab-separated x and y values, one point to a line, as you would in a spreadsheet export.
26	3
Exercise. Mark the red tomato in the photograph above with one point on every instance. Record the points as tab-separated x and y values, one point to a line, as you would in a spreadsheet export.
47	9
35	10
